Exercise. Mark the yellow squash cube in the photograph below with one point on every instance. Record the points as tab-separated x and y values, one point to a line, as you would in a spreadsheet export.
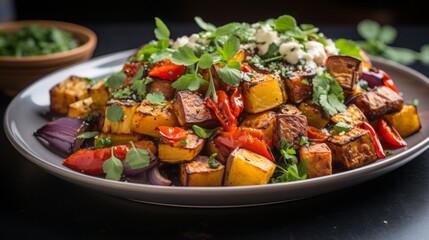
319	159
81	108
263	92
99	94
316	117
406	121
179	152
123	126
149	116
352	116
245	167
66	92
199	173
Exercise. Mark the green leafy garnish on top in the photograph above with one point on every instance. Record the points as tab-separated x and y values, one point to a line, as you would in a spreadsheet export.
328	93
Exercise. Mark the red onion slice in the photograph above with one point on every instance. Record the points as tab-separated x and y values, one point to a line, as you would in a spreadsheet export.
155	177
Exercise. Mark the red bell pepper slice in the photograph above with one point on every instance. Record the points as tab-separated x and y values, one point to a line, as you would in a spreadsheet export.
246	67
91	161
388	82
316	135
378	147
389	134
167	70
223	110
172	134
241	137
237	101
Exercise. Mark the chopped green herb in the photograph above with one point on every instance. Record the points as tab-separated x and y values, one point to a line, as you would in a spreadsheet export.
116	80
363	84
113	167
304	141
342	127
103	143
230	76
156	98
328	93
114	113
88	135
388	153
161	31
184	56
212	161
137	158
203	132
92	81
184	141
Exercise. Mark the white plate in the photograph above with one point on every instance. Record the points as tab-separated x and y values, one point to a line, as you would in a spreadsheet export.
25	114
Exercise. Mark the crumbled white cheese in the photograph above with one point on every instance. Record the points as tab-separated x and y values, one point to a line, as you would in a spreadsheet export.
264	37
330	48
291	51
316	51
185	40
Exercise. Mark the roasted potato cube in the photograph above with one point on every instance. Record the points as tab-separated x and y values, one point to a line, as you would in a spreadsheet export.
118	139
245	167
290	128
379	101
99	94
352	116
66	92
199	173
222	152
406	121
163	86
264	92
353	149
178	152
81	108
190	109
148	117
124	124
264	121
316	117
346	70
288	109
319	159
298	86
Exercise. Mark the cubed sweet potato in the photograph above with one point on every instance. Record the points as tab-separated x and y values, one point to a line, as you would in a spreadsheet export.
346	70
291	128
352	116
199	173
319	159
264	121
316	117
298	86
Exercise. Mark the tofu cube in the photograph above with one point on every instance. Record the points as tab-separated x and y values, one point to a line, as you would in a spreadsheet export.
264	92
199	173
148	117
245	167
319	159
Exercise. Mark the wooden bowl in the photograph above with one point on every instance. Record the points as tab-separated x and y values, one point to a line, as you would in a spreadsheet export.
18	72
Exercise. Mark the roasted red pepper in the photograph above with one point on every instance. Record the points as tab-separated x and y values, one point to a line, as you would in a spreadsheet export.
389	134
172	134
242	137
378	147
388	82
237	102
130	70
316	135
167	70
223	110
246	68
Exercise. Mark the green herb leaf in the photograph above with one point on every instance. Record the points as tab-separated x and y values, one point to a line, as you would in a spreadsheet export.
230	76
342	127
285	23
328	93
156	98
230	48
114	113
189	81
184	141
122	93
304	141
203	132
139	74
206	61
368	29
414	102
226	29
137	158
113	167
387	34
87	135
103	143
400	55
212	161
204	25
161	31
92	81
424	54
348	47
159	56
184	56
116	80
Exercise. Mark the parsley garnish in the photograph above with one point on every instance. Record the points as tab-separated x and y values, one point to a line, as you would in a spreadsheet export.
204	25
185	141
212	161
156	98
203	132
87	135
184	56
114	113
116	80
328	93
289	170
113	167
230	76
137	158
348	47
342	127
104	142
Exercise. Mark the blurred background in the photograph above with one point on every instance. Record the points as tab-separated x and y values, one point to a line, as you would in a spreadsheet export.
218	12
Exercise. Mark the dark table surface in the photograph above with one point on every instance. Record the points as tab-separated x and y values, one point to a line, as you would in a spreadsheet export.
38	205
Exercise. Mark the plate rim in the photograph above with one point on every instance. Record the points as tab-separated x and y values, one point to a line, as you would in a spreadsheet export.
136	191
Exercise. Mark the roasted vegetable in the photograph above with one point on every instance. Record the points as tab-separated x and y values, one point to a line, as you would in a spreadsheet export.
352	116
264	121
123	126
199	172
256	99
119	139
66	92
406	121
148	117
319	159
99	94
352	149
222	152
163	86
190	109
291	128
245	167
288	109
379	101
346	70
180	151
298	86
316	117
81	108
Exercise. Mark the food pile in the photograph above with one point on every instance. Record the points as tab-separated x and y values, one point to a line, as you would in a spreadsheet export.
239	104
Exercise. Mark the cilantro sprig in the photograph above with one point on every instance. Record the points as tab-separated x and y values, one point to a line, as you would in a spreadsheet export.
113	167
328	93
289	169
